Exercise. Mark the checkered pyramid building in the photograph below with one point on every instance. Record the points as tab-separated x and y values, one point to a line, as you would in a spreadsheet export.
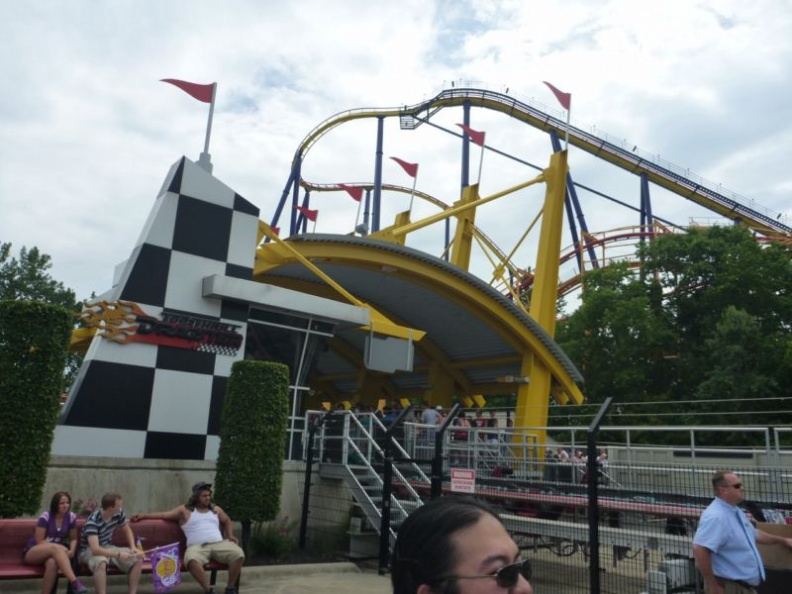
141	400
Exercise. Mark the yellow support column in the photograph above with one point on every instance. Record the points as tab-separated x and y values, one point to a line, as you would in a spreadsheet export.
533	399
466	222
441	386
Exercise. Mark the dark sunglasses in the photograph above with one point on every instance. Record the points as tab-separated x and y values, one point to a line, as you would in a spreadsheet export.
736	486
506	577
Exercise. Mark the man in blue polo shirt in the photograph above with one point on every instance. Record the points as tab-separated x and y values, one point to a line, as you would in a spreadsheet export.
725	543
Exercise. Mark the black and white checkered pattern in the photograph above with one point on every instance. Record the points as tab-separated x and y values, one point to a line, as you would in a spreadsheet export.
146	401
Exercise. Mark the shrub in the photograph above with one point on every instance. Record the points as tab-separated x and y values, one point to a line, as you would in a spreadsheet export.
252	439
34	339
276	540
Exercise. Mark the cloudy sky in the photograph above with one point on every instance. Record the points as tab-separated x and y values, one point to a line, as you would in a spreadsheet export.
87	132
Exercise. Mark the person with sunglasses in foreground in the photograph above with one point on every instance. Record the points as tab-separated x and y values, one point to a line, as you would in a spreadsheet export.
725	543
457	545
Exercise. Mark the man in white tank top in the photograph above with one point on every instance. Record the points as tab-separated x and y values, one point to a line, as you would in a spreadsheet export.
203	524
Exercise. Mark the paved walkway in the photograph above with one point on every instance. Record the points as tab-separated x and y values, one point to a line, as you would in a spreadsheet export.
327	578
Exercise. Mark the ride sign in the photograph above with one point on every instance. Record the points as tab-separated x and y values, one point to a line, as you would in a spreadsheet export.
463	480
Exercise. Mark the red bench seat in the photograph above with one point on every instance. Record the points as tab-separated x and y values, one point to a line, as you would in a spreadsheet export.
14	534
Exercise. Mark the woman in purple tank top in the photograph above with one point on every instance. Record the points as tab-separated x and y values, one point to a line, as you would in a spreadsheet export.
54	544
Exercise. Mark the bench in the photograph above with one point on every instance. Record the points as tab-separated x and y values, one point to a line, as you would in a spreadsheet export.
14	534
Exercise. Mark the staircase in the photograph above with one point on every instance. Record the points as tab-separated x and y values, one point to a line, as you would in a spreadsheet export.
349	451
410	121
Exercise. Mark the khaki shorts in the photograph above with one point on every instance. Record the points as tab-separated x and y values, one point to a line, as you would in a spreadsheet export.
94	561
223	551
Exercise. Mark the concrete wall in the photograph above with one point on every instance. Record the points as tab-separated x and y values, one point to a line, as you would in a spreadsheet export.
153	485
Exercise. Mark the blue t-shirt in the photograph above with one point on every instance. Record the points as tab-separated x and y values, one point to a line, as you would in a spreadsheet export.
726	532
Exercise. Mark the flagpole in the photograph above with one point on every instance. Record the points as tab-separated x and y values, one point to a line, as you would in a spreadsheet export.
357	216
481	162
412	193
209	122
205	159
565	99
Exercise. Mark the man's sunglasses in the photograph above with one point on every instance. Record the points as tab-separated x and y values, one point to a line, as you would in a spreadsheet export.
506	577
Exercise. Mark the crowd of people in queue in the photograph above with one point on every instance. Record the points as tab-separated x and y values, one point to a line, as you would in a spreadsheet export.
577	460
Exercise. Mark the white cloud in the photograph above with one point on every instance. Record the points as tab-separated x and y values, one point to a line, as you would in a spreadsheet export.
88	133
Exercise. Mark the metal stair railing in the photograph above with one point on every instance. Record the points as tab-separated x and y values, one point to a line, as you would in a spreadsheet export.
402	455
375	449
359	452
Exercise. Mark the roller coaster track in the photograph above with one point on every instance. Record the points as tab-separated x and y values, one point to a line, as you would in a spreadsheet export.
482	237
522	279
620	240
664	174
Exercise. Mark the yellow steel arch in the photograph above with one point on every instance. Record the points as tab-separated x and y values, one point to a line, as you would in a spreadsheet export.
537	360
420	273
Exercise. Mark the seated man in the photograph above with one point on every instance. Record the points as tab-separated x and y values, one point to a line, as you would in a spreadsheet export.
200	519
97	550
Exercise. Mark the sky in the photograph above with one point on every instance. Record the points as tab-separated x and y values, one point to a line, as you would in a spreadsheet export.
87	131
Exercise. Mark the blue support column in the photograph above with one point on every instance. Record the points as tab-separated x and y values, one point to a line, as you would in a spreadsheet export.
295	196
573	230
306	203
574	211
465	148
375	215
647	219
282	202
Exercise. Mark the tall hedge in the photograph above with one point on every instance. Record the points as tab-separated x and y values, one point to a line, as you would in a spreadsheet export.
252	436
34	339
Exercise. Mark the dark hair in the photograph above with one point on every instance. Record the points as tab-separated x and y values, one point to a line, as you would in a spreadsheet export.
109	500
194	499
423	551
55	501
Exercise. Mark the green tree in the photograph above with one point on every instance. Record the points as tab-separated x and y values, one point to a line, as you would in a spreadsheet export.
620	337
27	278
252	437
731	301
708	317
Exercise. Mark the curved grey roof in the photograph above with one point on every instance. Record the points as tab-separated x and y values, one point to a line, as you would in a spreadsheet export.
461	326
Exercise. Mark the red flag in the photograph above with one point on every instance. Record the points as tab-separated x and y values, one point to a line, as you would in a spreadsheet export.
410	169
308	213
565	99
475	136
356	193
201	92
